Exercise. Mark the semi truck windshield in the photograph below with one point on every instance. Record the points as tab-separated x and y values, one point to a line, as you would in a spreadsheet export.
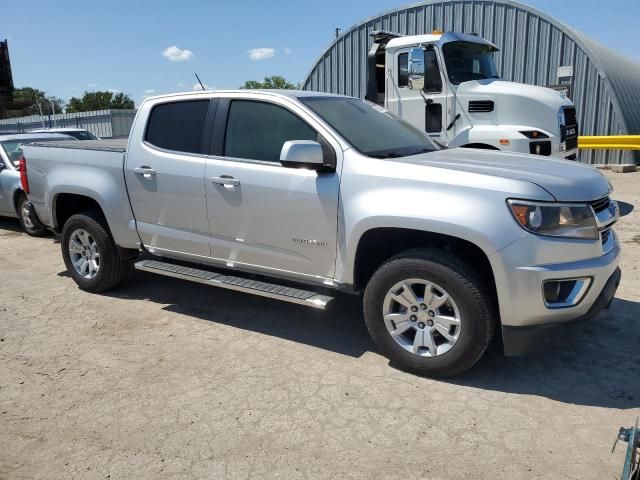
469	61
371	130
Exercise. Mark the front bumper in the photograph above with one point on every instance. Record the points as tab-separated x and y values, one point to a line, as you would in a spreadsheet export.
520	341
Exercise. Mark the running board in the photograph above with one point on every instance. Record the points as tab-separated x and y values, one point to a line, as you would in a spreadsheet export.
263	289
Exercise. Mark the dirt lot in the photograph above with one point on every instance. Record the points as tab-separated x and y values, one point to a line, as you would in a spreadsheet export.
166	379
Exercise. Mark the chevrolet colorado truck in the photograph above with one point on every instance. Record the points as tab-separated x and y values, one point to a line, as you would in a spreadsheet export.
297	196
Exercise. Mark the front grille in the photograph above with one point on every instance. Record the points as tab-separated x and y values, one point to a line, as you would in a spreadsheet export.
600	205
481	106
572	143
570	116
605	235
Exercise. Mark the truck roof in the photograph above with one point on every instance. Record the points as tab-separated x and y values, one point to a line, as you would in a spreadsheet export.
412	40
278	93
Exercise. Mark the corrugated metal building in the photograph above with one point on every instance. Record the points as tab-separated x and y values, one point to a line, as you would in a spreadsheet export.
605	86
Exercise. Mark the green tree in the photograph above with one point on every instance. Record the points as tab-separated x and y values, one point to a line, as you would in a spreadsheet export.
29	101
99	101
275	82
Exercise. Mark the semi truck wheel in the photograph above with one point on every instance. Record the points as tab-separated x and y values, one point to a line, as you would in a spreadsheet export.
429	313
29	224
90	254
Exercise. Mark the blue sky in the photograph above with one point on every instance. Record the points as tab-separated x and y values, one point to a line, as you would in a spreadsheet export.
65	47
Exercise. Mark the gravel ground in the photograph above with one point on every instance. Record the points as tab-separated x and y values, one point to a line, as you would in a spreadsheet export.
166	379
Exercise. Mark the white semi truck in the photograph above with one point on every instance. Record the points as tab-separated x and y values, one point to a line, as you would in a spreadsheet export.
448	85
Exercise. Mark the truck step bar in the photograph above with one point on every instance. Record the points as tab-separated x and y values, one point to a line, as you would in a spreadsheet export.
263	289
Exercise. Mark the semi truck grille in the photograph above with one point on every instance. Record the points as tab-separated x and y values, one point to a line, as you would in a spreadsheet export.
600	205
569	131
481	106
570	116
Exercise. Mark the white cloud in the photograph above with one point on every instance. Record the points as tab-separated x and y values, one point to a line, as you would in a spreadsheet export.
198	88
115	91
92	85
181	84
288	51
176	54
149	91
261	53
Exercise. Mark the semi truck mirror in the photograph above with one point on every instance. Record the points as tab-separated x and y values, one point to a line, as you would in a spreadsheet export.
416	69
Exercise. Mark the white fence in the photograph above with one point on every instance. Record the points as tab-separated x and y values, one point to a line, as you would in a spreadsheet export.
102	123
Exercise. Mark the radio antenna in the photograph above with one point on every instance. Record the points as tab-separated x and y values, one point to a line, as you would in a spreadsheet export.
199	81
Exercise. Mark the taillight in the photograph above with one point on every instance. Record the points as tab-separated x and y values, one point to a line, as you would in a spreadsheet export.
22	168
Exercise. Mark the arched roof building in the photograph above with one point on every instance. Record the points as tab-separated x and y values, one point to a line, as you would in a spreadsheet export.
605	86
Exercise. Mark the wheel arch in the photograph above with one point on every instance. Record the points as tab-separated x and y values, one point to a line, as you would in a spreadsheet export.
64	205
16	198
377	245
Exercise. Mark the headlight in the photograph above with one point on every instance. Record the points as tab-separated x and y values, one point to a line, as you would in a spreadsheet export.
565	220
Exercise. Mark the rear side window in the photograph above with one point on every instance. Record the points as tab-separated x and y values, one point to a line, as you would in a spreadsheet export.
177	126
258	130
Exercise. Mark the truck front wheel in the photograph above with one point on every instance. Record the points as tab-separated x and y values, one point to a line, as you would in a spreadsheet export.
27	221
429	313
90	254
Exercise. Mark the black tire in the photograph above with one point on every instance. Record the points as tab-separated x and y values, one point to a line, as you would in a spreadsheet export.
474	301
34	230
114	264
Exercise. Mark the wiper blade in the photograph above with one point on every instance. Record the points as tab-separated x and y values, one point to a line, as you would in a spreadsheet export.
386	155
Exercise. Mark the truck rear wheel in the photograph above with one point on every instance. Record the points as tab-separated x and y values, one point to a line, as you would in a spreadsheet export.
90	254
429	313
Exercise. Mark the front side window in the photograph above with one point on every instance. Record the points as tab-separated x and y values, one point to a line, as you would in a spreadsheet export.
467	61
258	130
177	126
432	78
372	131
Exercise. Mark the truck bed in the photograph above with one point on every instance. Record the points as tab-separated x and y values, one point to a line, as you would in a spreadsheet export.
111	145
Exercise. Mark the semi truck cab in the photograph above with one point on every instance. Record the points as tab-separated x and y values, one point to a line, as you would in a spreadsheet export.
448	85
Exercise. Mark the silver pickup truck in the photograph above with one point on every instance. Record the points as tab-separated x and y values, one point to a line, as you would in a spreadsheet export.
299	195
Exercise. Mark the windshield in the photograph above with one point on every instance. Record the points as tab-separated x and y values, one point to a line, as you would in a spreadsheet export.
372	131
469	61
13	148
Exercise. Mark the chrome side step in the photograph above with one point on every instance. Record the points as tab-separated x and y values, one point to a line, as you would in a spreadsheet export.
270	290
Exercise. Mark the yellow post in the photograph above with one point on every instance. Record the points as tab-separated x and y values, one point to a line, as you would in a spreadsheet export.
620	142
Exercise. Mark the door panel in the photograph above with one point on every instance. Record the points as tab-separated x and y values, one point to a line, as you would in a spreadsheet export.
166	187
8	181
261	213
274	217
426	110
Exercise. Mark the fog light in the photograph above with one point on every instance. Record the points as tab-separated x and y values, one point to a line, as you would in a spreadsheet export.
565	293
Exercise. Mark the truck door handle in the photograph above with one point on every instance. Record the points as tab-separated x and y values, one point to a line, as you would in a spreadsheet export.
146	172
227	181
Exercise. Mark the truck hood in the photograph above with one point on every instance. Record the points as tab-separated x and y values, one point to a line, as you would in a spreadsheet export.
565	180
515	104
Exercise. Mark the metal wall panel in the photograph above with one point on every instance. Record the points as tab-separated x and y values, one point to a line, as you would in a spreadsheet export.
102	123
605	85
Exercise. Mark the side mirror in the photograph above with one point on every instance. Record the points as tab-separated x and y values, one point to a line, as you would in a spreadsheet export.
302	154
416	69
